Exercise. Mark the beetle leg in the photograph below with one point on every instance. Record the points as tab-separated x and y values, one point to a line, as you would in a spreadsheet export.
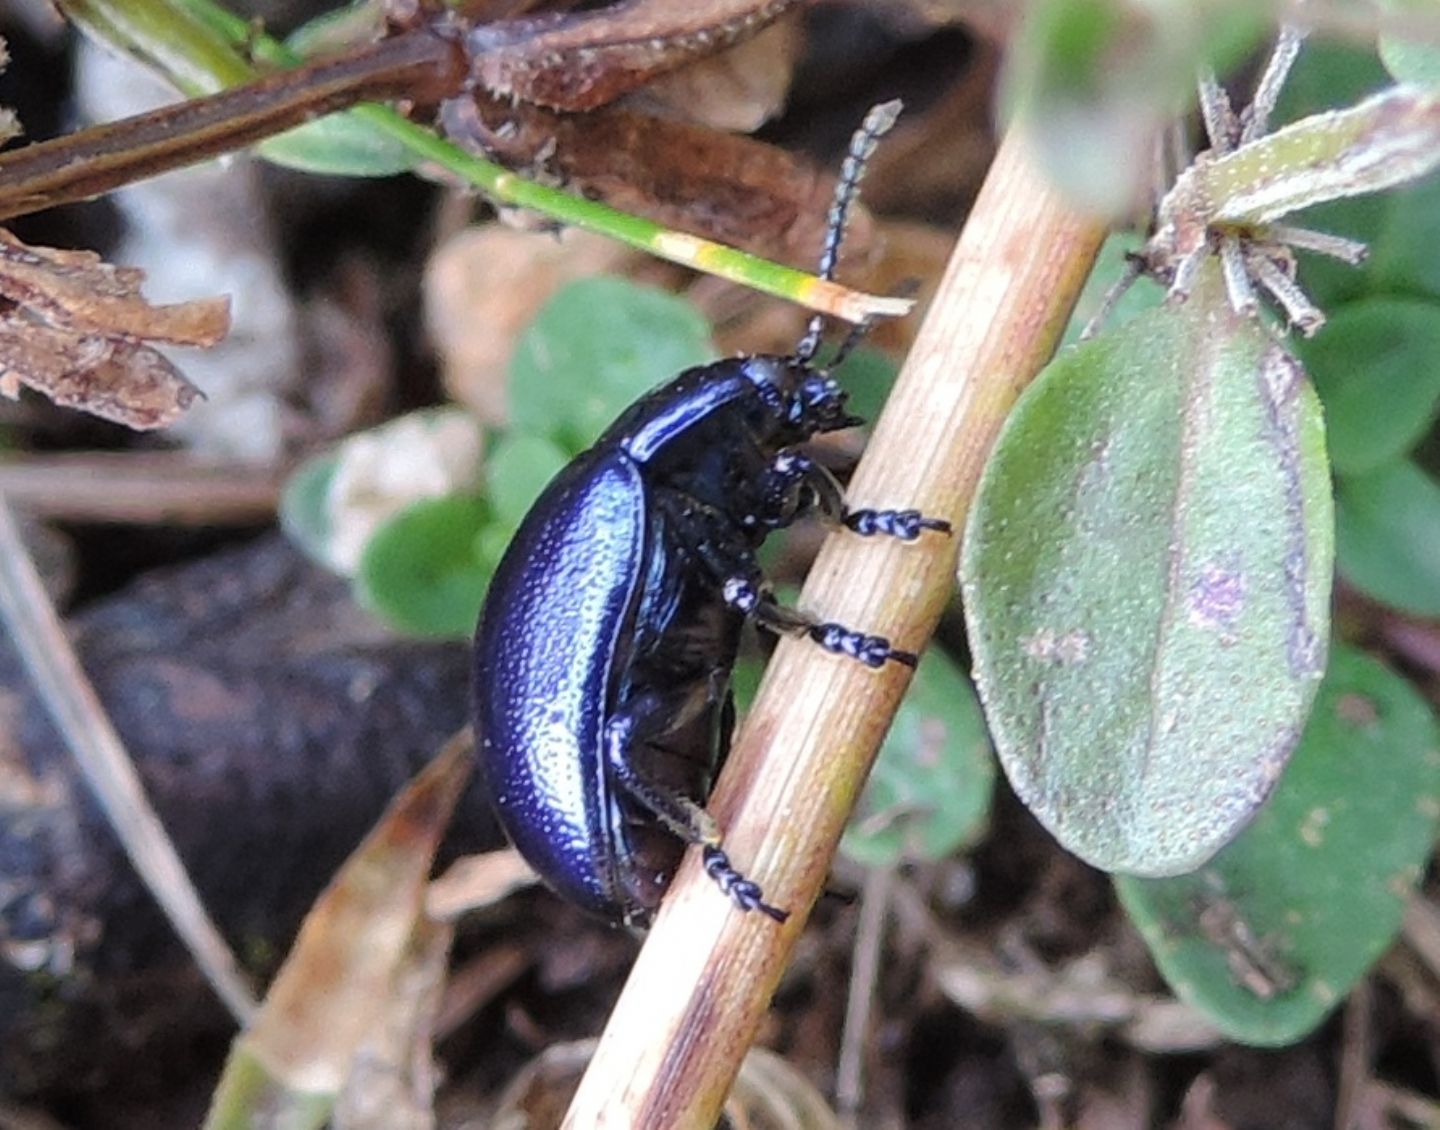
746	595
783	486
903	524
647	717
792	471
745	892
742	587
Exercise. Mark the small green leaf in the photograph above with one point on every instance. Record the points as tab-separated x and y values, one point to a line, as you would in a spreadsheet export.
595	348
1386	140
1095	81
305	507
1402	252
1387	541
337	29
1329	75
868	375
1147	576
929	793
517	469
420	572
1377	369
1410	60
340	145
491	543
1274	932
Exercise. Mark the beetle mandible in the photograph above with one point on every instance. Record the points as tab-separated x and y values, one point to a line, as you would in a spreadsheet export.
604	649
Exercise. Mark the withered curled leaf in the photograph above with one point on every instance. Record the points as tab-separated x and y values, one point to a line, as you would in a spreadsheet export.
77	330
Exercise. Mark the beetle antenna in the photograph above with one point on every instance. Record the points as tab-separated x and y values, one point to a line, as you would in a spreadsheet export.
878	122
856	335
860	330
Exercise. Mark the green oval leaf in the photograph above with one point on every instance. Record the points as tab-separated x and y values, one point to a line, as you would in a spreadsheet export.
420	571
1282	923
1096	80
305	507
1147	576
340	145
1387	541
491	543
1377	369
595	348
868	376
517	469
1410	60
1402	254
929	792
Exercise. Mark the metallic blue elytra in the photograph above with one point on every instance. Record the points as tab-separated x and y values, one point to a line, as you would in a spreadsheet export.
604	649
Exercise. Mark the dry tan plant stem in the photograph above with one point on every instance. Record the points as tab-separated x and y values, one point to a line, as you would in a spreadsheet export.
39	638
704	979
170	488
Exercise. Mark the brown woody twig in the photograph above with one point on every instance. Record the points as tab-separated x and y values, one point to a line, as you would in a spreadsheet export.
705	976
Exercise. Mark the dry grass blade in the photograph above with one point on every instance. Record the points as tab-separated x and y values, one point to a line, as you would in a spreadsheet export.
38	636
75	328
392	1082
705	977
171	488
361	983
477	881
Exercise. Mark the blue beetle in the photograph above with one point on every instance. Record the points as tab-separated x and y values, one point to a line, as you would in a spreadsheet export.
604	649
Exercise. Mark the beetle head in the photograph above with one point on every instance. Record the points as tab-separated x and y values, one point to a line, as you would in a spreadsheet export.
818	404
798	399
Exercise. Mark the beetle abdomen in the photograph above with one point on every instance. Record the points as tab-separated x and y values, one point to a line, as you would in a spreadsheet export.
545	648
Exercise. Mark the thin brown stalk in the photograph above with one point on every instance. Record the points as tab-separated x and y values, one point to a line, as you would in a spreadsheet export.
82	165
39	638
141	488
864	978
704	979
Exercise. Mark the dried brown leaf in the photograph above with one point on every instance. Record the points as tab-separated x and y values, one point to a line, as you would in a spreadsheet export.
721	186
581	60
75	330
392	1082
476	881
83	293
114	379
339	982
738	90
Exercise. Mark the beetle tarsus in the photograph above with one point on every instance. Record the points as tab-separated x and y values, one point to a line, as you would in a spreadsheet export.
745	893
751	598
907	525
873	651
